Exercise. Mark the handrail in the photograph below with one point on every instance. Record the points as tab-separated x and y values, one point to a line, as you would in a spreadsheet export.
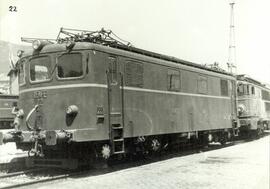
28	116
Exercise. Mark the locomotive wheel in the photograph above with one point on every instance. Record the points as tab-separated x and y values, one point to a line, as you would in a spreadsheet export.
223	138
106	151
265	126
210	137
202	140
229	135
259	132
31	153
155	145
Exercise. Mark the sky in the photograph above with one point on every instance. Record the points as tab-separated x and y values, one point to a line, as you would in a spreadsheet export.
193	30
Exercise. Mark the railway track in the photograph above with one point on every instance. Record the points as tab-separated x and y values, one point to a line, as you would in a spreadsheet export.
15	165
41	175
31	177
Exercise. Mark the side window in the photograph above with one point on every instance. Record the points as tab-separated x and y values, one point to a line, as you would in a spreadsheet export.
265	95
173	80
224	87
253	90
21	73
240	89
202	84
113	69
134	74
243	89
70	65
246	88
267	106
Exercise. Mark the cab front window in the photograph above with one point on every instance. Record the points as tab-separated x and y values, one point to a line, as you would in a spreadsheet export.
40	69
244	89
70	66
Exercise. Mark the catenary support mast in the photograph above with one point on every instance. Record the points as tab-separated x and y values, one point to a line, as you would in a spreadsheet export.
232	48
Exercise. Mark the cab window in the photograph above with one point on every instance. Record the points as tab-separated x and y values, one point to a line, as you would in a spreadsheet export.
40	69
253	90
265	95
173	80
113	69
70	66
243	89
224	90
202	85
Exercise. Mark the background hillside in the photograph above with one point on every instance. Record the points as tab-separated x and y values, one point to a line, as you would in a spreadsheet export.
5	49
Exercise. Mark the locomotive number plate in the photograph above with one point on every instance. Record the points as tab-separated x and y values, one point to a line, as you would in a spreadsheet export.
39	96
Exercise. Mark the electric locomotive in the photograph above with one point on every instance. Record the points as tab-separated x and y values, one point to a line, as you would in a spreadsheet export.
90	95
253	105
7	103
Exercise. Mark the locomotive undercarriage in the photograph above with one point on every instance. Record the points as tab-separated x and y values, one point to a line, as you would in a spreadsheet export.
252	127
66	153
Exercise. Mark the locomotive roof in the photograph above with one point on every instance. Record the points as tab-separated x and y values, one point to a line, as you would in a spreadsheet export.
56	47
248	79
106	39
168	58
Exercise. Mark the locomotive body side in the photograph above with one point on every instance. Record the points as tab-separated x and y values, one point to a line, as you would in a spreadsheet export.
266	109
7	102
176	99
102	94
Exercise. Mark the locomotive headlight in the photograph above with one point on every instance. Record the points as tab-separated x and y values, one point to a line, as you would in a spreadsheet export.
36	45
70	45
72	110
20	53
71	114
241	108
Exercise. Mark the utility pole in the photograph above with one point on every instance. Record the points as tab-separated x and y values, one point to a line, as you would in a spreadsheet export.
232	48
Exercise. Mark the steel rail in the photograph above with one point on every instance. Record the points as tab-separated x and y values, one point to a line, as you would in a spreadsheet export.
36	181
187	151
9	175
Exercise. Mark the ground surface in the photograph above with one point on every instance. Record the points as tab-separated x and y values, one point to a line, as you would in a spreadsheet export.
243	166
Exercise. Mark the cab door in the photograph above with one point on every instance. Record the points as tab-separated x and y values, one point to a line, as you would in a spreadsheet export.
233	99
115	106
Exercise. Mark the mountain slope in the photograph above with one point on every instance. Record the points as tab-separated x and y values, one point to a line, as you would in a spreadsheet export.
7	48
